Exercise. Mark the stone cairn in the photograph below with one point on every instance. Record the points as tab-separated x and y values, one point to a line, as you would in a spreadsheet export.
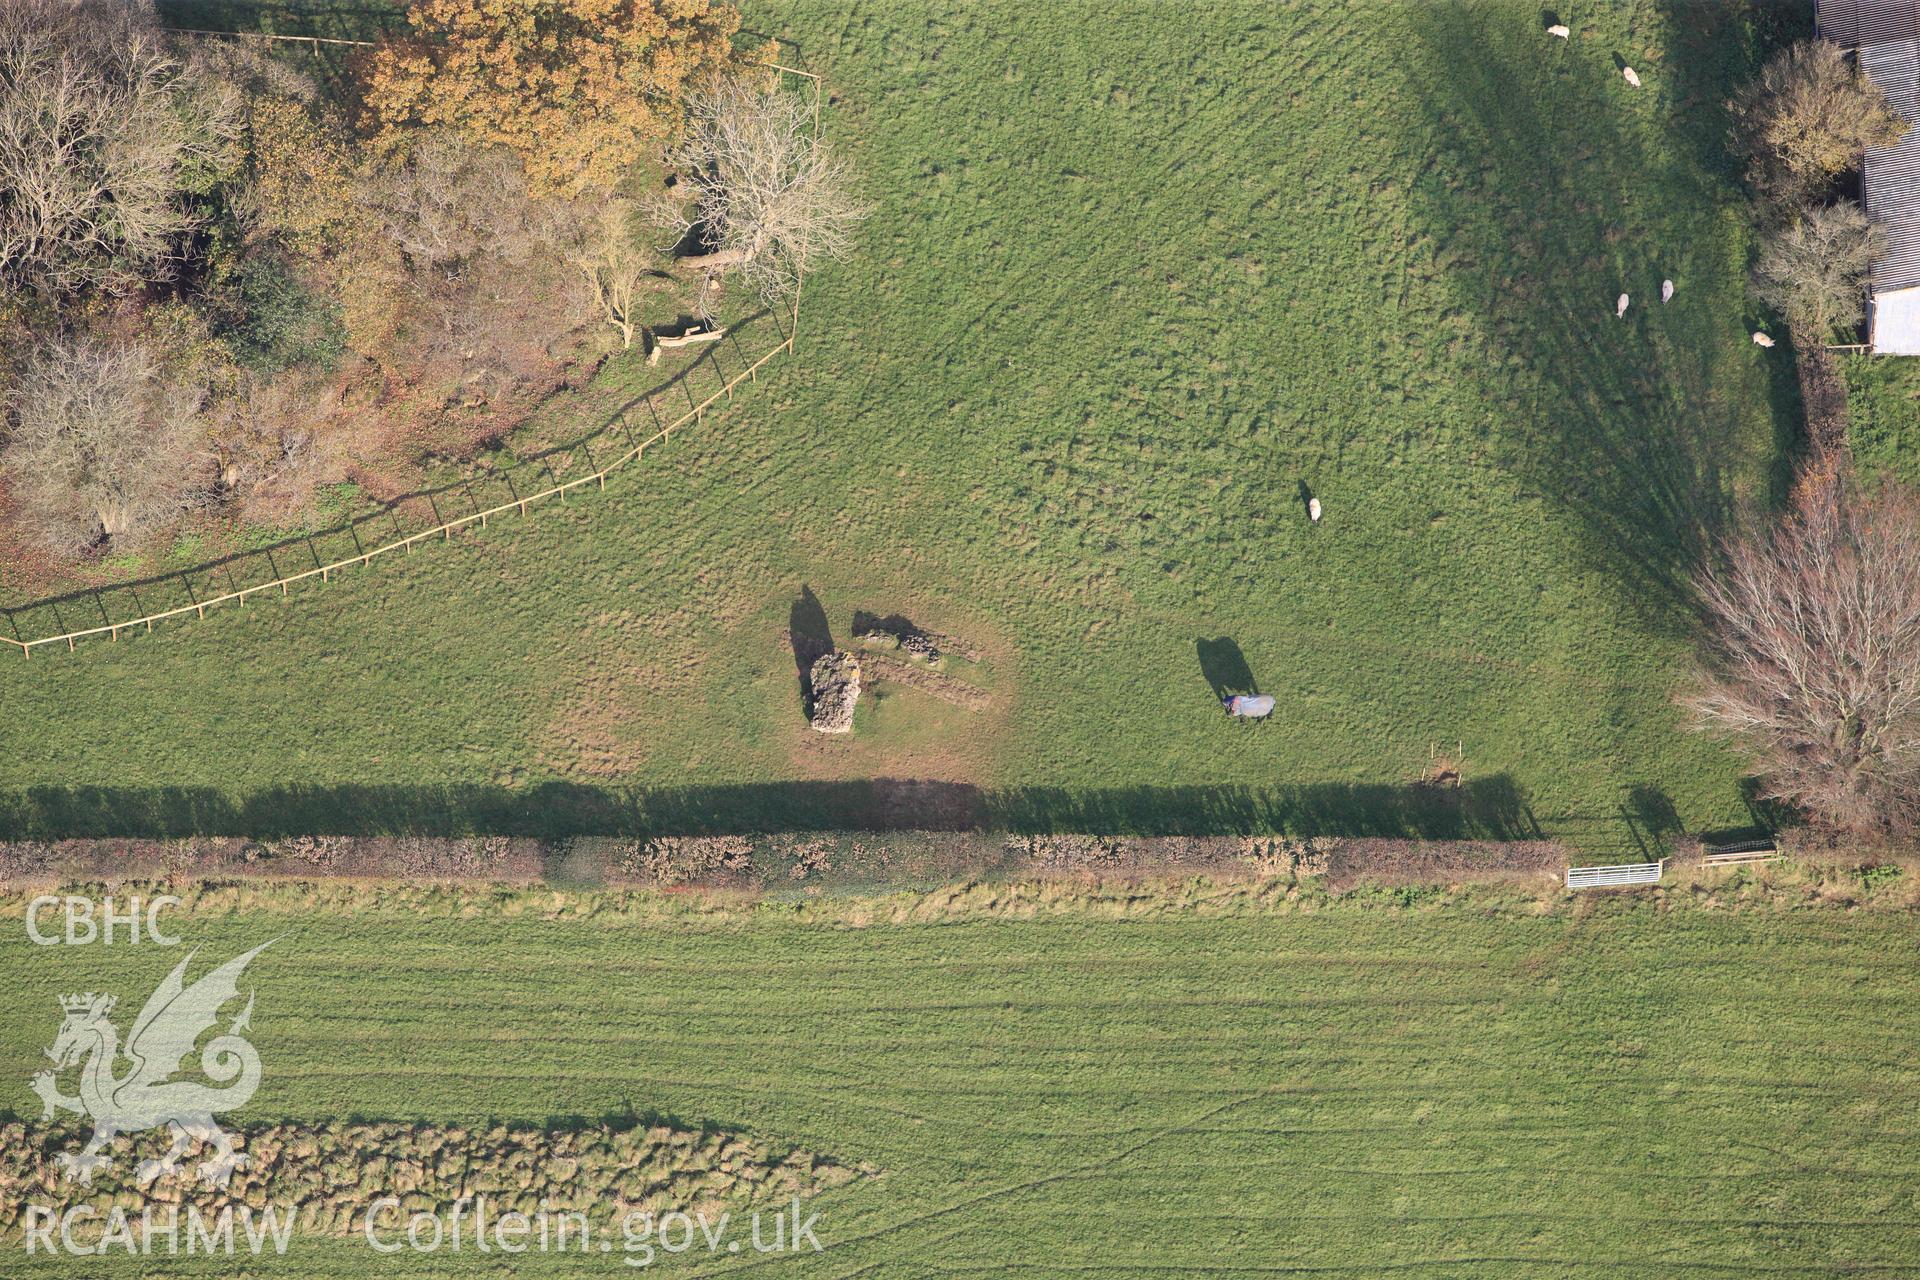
835	680
918	644
911	641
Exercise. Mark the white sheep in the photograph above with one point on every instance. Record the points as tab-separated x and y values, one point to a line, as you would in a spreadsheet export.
1559	31
1762	340
1666	291
1620	307
1313	510
1632	76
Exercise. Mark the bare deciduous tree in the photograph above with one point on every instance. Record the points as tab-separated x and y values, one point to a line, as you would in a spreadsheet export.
1813	271
102	446
1816	655
1807	119
613	264
445	199
770	200
101	130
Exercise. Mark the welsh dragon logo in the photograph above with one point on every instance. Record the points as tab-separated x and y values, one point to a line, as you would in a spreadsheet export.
146	1096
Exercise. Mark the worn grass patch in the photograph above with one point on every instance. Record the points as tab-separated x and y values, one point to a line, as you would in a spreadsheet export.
1139	280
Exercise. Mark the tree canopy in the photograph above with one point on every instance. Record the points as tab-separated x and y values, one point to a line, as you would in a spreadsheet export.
103	135
1812	271
1815	663
575	88
1807	119
769	197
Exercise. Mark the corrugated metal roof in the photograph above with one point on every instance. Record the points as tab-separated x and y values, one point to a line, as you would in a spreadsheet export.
1886	37
1894	65
1854	23
1891	185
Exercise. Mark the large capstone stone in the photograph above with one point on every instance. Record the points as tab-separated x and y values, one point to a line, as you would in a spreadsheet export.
835	679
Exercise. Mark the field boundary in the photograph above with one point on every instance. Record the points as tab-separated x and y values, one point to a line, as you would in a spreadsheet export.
445	529
838	871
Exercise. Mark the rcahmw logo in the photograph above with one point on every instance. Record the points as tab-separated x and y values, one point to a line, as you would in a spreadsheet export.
169	1230
146	1095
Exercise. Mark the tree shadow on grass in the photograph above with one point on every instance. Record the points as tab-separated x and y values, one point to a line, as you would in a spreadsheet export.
1765	817
1492	808
1574	197
1651	821
1715	50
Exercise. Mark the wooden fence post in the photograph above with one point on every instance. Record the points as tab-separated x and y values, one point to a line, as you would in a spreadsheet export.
696	414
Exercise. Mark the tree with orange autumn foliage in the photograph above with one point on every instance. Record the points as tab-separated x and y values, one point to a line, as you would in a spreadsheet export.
575	88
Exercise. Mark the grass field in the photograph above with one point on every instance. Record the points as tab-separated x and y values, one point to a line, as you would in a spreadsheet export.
1478	1090
1883	416
1139	279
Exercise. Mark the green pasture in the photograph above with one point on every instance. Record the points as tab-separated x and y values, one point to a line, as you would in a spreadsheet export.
1140	279
1479	1090
1883	416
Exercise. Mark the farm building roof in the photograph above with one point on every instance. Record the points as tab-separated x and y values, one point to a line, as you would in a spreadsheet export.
1853	23
1894	319
1885	35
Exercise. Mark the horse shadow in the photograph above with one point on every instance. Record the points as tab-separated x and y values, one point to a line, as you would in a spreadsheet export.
1225	668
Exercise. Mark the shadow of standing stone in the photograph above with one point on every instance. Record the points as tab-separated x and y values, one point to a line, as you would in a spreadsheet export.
812	640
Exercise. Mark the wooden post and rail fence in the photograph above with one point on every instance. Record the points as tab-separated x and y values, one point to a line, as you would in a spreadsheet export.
445	529
1741	853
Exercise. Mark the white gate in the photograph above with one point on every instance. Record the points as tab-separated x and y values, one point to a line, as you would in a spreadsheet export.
1618	874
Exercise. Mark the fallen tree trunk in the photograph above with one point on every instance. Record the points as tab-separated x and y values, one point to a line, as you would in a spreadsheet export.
719	260
684	340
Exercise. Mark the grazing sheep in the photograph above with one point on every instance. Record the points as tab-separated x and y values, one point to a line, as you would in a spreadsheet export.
1762	340
1620	307
1632	76
1666	291
1559	31
1313	510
